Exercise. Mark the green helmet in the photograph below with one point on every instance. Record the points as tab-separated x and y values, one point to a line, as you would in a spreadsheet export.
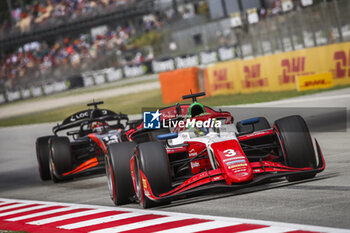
196	109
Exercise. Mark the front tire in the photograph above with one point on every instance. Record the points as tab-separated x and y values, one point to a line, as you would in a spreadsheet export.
42	155
61	159
153	161
296	144
117	163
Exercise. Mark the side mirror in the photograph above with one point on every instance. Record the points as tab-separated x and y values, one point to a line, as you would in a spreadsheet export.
250	121
167	136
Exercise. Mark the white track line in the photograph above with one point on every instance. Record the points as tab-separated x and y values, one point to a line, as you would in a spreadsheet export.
41	214
217	221
272	229
23	210
64	217
139	225
14	206
99	220
4	203
199	227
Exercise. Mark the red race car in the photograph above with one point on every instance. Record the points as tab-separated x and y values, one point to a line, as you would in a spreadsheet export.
194	148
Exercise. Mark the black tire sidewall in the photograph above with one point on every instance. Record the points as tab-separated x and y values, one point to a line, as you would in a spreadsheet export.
60	155
118	156
154	163
296	145
42	154
296	140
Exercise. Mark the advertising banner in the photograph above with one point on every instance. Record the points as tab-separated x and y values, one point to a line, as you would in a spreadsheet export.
222	78
133	71
37	91
278	72
13	95
25	93
99	78
208	57
186	61
314	81
113	74
161	66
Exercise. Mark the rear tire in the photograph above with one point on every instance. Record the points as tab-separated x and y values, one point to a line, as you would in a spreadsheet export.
153	161
42	155
296	143
261	125
61	159
117	163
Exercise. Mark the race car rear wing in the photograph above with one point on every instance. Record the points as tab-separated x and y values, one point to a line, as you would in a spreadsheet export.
115	117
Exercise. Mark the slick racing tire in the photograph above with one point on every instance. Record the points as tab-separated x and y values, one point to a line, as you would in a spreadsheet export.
117	163
61	159
261	125
296	145
42	155
153	161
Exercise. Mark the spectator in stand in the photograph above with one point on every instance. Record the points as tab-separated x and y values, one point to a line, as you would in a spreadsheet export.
46	12
37	59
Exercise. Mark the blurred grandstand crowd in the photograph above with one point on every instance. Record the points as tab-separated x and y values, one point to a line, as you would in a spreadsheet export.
52	11
39	58
79	50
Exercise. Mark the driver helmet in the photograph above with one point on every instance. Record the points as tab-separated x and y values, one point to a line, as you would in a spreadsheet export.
196	109
98	127
202	131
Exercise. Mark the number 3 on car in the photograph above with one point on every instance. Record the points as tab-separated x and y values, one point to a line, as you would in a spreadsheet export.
229	153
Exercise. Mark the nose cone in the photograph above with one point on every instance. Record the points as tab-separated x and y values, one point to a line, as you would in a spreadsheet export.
232	161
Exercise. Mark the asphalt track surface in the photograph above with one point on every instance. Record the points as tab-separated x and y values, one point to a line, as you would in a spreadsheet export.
322	201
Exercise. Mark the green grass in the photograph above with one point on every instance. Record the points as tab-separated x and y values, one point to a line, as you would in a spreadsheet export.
133	103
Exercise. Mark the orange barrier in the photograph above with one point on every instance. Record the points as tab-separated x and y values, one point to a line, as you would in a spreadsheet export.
278	72
174	84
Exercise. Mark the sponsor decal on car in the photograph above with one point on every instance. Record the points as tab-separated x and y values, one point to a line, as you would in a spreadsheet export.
144	183
233	158
229	152
237	165
195	164
79	116
242	174
235	162
237	170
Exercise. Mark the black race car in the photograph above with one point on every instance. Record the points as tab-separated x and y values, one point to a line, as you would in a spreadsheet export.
91	130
